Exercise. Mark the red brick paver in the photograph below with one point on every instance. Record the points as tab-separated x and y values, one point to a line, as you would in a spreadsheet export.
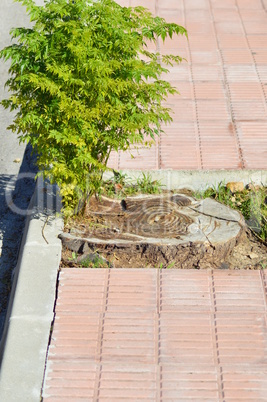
220	116
158	335
176	335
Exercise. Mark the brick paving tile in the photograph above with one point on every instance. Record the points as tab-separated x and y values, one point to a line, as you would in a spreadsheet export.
158	335
151	335
226	71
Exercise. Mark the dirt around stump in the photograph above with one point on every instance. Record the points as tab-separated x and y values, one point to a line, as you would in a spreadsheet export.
170	230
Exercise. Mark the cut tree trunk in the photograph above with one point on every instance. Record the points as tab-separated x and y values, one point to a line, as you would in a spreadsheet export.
159	231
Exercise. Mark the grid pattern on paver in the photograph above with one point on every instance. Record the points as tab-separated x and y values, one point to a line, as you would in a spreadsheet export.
222	85
158	335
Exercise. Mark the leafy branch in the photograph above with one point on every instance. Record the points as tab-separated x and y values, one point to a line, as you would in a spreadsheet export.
81	89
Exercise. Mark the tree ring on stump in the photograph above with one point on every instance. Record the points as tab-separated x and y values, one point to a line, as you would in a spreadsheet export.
151	231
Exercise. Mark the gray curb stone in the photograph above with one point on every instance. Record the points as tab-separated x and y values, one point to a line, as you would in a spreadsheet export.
199	179
31	307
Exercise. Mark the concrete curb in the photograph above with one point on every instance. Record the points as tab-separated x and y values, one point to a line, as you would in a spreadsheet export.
198	179
31	307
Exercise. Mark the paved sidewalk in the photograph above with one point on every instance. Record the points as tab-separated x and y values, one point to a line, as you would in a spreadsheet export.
220	117
174	335
158	335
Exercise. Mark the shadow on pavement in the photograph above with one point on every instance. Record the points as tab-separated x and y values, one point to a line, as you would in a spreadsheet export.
15	195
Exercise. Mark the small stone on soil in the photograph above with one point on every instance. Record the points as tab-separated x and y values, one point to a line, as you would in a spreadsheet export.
253	255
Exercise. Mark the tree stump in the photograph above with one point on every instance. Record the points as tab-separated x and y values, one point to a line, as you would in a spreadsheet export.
170	230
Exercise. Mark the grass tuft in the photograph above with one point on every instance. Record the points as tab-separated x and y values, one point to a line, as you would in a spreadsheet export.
251	202
120	186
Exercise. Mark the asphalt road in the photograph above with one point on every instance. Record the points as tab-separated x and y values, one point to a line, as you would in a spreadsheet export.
17	168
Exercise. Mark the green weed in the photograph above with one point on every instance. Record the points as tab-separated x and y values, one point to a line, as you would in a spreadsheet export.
74	256
162	266
121	185
96	262
251	203
147	185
